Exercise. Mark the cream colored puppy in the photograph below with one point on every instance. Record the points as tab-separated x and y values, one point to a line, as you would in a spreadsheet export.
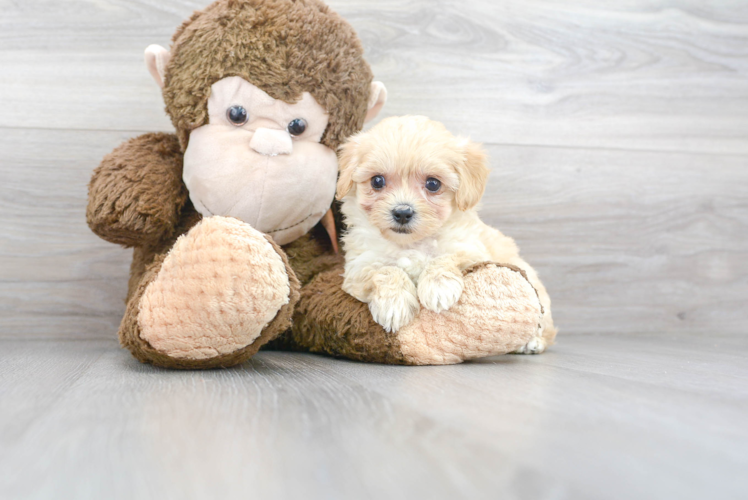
409	191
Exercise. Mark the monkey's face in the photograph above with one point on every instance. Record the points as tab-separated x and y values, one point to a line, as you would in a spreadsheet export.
260	160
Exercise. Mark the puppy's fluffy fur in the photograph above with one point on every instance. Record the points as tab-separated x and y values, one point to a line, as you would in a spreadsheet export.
397	267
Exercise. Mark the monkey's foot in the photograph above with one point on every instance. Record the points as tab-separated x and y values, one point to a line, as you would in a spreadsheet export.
498	312
222	291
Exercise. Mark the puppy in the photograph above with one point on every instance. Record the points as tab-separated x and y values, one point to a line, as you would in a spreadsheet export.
409	190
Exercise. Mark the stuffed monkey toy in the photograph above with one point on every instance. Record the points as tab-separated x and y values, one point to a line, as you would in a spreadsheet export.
232	222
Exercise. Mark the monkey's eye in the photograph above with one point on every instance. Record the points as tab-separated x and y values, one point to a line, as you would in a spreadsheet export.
377	182
237	115
297	126
433	185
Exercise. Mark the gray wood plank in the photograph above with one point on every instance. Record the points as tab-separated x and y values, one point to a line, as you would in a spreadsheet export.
654	75
57	279
621	246
629	241
609	416
46	370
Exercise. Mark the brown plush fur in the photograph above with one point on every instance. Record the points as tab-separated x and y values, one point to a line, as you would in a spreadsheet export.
311	254
329	321
136	195
283	47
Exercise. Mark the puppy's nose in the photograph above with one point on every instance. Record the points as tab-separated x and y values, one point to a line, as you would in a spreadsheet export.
271	142
402	214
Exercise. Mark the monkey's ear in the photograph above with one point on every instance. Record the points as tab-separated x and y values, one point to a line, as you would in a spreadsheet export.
348	161
156	59
377	98
473	174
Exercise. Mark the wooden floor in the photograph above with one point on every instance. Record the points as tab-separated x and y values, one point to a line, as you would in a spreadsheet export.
618	137
598	417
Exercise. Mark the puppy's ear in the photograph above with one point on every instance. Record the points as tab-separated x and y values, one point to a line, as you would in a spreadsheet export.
473	174
348	162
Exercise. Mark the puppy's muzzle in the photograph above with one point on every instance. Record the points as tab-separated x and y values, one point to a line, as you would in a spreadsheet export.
403	214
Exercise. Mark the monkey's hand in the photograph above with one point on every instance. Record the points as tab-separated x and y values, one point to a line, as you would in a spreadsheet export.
393	302
136	195
440	286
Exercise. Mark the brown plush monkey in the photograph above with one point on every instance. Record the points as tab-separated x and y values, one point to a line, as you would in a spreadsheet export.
234	239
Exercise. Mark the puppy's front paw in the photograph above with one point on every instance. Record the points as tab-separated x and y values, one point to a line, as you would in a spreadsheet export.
394	303
394	312
439	289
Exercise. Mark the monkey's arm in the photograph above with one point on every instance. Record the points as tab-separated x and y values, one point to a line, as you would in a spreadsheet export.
135	196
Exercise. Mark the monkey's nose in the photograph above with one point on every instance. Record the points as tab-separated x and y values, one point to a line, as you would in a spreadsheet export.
402	214
271	142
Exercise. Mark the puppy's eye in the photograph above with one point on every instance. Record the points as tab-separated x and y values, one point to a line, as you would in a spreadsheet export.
237	115
297	126
377	182
433	185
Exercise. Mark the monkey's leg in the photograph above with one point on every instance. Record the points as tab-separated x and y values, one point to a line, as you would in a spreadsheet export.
499	312
221	292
